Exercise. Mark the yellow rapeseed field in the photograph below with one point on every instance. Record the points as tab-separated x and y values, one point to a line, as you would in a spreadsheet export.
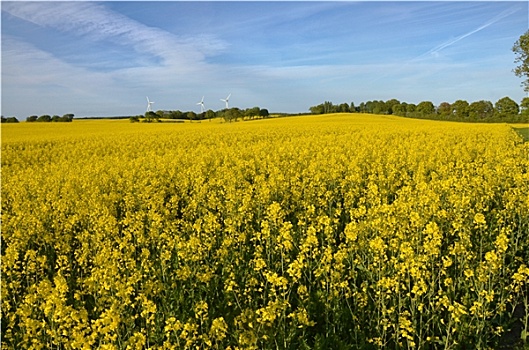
320	232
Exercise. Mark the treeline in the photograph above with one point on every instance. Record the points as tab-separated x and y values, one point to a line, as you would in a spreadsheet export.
504	110
230	115
9	119
67	118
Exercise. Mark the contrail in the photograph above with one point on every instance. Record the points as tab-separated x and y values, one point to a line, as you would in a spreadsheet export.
461	37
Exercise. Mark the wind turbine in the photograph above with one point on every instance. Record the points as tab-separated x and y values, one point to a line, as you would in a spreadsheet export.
226	100
149	105
201	103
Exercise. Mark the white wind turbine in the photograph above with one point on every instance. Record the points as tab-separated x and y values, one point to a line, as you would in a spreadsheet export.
149	105
201	103
226	100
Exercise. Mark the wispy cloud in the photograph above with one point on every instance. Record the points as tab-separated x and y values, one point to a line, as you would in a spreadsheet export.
98	23
38	79
102	58
436	50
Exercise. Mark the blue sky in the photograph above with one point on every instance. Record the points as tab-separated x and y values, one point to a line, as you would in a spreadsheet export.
104	58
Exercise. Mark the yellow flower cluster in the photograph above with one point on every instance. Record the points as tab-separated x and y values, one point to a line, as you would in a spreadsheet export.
335	231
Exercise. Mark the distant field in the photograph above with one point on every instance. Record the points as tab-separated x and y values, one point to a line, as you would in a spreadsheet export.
524	131
317	232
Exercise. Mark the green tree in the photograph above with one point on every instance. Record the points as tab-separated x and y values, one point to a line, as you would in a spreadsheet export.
506	108
411	109
521	50
362	107
369	106
9	120
176	115
328	107
232	114
343	108
425	108
191	116
150	117
32	119
263	113
444	110
524	108
390	104
399	109
210	114
252	112
44	118
460	109
67	118
480	110
160	114
317	109
379	107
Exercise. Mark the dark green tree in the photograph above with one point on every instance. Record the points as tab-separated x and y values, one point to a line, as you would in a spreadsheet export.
390	104
32	119
411	109
9	120
328	107
506	108
521	50
263	113
379	107
369	106
524	108
150	117
232	115
444	110
67	118
480	110
160	114
44	118
210	114
191	116
460	109
317	109
362	107
343	108
176	115
399	109
252	112
425	108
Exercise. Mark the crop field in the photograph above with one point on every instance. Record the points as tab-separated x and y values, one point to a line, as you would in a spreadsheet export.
342	231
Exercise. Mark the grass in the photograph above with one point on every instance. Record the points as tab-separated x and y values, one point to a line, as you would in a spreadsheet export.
524	132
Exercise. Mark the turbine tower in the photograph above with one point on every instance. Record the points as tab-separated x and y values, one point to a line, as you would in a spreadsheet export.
226	100
201	103
149	105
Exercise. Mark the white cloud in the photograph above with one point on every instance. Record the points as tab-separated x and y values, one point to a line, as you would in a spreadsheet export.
31	71
96	22
36	82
